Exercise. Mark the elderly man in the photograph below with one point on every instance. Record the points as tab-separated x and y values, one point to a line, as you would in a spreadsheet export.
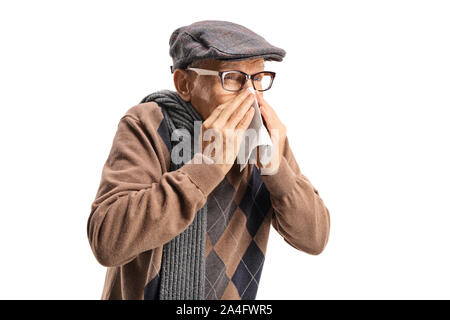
199	229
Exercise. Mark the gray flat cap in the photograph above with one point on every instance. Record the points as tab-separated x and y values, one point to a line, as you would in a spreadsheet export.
221	40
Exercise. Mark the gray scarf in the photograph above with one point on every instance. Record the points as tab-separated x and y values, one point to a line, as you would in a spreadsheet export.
183	261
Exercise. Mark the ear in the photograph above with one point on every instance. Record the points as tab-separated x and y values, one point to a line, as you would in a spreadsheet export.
183	82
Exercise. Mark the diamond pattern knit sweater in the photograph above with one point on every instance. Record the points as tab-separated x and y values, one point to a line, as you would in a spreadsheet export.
140	206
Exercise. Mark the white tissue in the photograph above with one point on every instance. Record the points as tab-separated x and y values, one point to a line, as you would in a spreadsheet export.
262	138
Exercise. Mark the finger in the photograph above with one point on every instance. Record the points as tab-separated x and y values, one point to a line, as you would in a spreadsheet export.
237	116
260	98
263	104
218	110
245	121
241	100
243	125
265	117
269	110
213	116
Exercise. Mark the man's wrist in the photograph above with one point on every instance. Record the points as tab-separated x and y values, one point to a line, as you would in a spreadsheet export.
280	182
203	172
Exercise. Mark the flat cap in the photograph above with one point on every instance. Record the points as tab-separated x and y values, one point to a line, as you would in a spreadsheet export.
221	40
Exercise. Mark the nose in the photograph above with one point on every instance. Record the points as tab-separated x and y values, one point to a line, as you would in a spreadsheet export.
248	84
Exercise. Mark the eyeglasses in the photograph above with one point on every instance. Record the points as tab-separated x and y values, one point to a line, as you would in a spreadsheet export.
235	80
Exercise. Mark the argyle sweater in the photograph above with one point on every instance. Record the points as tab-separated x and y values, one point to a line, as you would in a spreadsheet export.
141	205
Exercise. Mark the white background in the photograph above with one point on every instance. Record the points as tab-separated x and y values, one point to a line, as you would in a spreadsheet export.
363	91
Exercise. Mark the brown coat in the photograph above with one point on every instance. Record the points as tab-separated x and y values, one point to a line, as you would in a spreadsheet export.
140	206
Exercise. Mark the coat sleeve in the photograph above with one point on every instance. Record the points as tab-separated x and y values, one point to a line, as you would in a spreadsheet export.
299	214
138	206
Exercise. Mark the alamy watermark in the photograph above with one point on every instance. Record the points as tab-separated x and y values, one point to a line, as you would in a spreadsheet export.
223	146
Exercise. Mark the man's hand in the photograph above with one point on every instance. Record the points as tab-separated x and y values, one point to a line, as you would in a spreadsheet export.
228	121
277	131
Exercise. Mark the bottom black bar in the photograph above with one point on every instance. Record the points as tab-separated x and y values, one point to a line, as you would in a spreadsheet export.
210	309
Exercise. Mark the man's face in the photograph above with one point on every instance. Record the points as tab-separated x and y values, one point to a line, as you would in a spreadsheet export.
207	92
